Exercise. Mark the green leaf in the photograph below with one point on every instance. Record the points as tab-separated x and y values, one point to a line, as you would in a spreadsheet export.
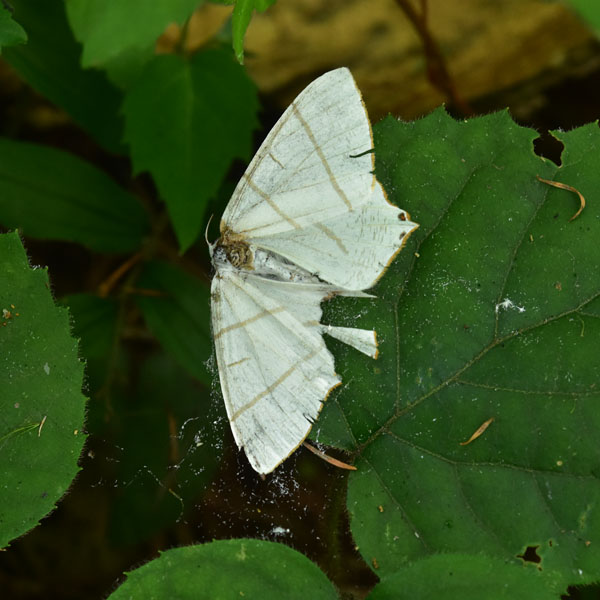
11	33
229	569
177	313
124	69
490	312
41	403
94	323
50	64
171	432
51	194
590	11
108	27
167	443
187	132
460	576
242	13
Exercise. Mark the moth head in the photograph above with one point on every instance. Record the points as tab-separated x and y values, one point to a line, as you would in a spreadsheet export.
218	254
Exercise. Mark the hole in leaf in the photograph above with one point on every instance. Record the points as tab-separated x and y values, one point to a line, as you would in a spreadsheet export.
531	555
549	147
583	592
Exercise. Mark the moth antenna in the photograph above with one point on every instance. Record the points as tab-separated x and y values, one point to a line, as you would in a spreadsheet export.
211	247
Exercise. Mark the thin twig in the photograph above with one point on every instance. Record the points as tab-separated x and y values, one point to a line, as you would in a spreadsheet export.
332	461
109	283
437	71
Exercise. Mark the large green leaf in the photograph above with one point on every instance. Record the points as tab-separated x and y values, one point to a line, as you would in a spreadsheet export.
176	311
229	569
108	27
49	62
490	312
187	131
11	33
53	195
41	403
458	576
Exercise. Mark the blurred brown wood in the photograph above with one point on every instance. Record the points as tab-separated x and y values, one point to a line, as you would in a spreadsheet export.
488	47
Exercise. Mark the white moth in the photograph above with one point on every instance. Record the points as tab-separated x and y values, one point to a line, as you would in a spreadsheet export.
307	221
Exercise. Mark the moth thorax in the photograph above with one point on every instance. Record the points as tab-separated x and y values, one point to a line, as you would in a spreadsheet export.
239	255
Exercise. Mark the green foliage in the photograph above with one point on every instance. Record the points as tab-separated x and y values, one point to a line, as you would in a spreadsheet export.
457	576
229	569
133	24
240	19
41	402
188	131
164	395
590	11
94	323
242	13
152	414
176	314
11	33
49	63
53	195
491	311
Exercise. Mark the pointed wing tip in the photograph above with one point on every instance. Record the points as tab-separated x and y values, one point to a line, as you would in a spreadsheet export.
340	74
